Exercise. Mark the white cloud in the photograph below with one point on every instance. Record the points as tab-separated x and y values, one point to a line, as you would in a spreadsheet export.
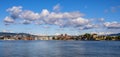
88	26
72	19
101	19
4	31
15	11
44	13
39	22
29	15
60	22
56	7
102	33
7	31
26	22
57	34
8	20
112	25
62	19
72	15
54	15
79	21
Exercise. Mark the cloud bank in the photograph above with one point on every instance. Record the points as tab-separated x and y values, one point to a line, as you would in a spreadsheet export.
73	19
112	25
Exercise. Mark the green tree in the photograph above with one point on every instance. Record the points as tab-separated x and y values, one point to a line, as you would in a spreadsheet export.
108	38
88	36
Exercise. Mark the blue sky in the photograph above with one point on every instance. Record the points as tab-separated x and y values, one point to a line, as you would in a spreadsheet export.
50	17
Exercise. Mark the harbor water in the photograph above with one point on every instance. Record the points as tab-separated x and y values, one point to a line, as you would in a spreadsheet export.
57	48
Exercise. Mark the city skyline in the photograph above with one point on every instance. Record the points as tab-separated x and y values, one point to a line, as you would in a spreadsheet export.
60	16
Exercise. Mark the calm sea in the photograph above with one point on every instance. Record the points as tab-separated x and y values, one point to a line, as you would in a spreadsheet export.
59	48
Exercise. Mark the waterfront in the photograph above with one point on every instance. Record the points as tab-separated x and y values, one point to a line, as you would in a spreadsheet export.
57	48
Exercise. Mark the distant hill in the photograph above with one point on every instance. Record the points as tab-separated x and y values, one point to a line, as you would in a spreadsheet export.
118	34
6	33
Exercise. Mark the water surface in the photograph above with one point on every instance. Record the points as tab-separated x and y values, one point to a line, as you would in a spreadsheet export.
59	48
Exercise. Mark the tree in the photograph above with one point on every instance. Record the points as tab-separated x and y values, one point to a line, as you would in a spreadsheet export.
108	38
88	36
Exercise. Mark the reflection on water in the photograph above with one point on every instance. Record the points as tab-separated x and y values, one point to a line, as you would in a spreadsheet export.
59	49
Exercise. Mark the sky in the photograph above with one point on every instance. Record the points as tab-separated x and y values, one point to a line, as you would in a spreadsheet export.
54	17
